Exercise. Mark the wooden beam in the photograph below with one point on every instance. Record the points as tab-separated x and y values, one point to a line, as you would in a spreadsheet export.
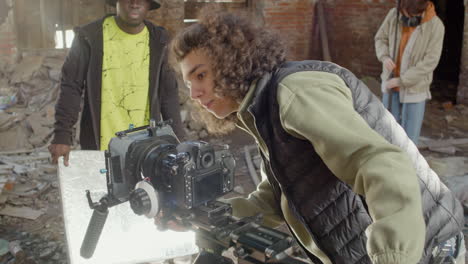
323	32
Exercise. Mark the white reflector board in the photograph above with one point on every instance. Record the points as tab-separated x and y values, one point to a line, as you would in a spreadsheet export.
126	237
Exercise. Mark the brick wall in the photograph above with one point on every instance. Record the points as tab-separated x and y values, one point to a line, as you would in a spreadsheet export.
350	24
462	93
293	19
351	29
8	50
170	15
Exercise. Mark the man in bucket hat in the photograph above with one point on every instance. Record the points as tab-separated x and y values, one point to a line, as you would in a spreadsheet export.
153	3
118	64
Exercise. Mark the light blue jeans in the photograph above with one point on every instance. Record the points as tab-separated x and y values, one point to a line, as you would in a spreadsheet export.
409	115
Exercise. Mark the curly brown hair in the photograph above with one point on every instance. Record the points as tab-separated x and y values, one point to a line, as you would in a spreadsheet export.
239	51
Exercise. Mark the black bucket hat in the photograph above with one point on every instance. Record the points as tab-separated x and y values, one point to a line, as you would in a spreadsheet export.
154	4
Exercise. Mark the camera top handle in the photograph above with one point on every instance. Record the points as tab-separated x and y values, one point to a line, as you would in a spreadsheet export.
153	123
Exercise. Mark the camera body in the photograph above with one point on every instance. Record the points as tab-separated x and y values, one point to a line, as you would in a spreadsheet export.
149	167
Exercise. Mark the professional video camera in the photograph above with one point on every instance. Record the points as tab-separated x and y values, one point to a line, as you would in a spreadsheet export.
164	178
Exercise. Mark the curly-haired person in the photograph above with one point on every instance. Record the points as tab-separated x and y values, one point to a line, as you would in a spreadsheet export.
337	168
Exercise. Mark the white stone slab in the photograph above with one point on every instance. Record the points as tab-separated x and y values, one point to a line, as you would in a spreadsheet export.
126	237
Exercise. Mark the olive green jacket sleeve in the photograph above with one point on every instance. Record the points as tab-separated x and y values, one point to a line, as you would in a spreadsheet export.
355	153
261	201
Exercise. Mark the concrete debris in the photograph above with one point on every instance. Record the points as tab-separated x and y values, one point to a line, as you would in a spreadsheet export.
39	249
435	144
449	166
28	69
29	189
18	169
435	124
15	138
3	197
459	186
10	120
447	150
34	83
23	212
30	210
6	169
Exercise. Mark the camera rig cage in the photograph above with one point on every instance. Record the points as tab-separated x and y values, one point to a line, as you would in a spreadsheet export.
161	177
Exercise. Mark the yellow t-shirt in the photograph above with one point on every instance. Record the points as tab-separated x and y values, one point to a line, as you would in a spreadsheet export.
125	80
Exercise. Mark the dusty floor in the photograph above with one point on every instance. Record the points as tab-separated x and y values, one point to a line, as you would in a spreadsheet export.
43	239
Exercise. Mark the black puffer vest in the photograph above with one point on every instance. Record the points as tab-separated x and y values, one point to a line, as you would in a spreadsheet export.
334	215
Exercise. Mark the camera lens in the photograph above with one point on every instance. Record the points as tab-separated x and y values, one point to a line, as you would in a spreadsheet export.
140	202
207	160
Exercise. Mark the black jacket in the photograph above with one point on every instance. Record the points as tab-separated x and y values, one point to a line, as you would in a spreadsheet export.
82	75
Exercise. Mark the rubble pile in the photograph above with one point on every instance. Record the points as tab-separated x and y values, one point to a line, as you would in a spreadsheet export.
445	120
445	145
30	209
28	92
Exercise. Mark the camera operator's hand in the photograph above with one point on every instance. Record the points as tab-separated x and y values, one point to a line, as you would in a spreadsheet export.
58	150
170	225
164	224
389	64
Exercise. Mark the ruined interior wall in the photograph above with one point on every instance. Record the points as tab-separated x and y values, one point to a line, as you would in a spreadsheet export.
170	15
462	93
86	11
351	27
293	20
